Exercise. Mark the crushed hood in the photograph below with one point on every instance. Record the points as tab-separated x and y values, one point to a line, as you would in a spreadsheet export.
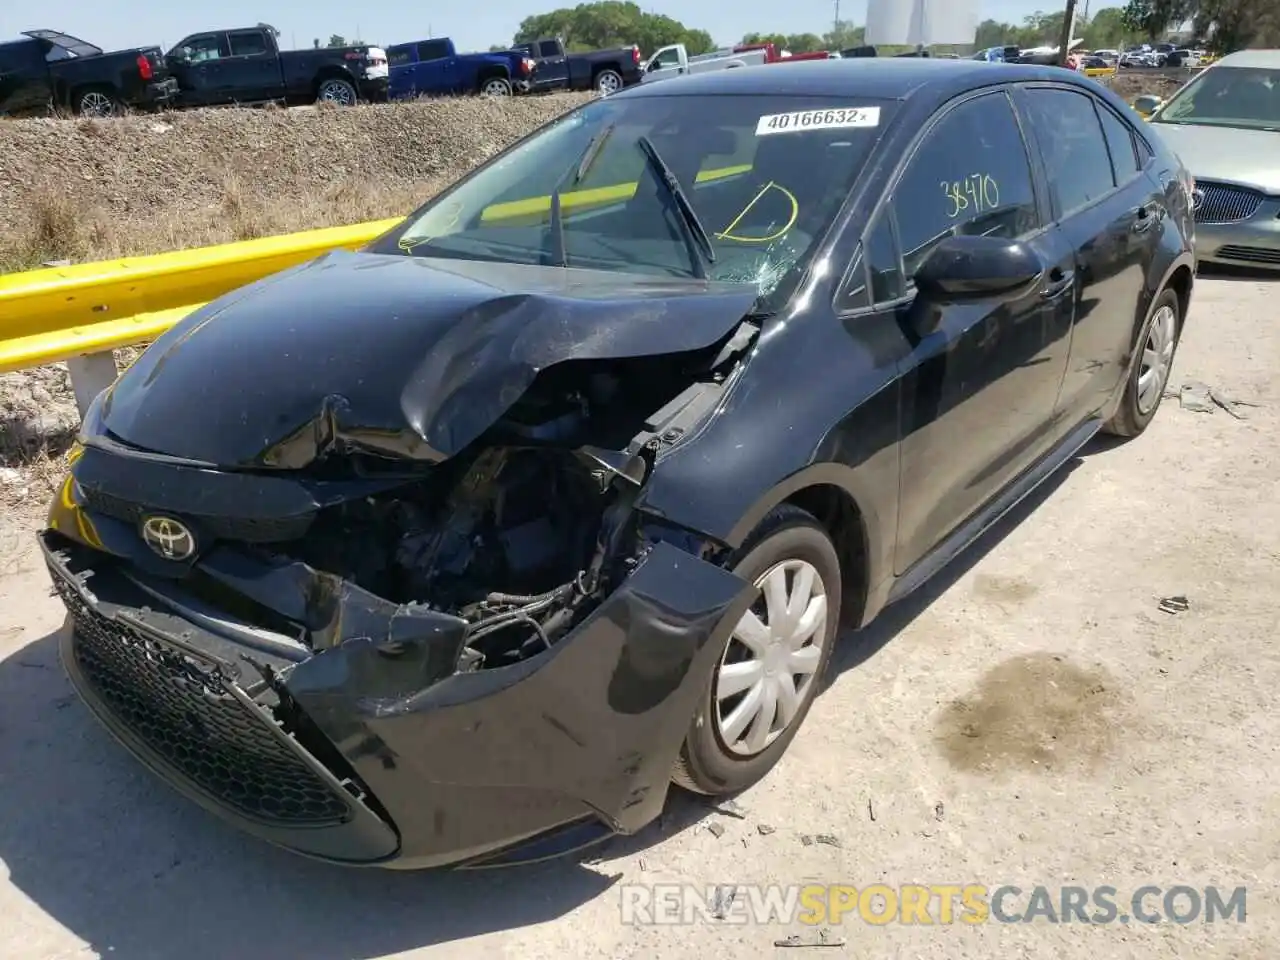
404	356
1250	158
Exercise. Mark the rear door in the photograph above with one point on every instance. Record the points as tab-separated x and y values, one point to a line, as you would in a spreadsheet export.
1108	212
25	85
981	381
251	71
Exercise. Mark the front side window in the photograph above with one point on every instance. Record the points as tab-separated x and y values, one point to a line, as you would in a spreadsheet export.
399	54
970	175
764	176
200	49
1246	97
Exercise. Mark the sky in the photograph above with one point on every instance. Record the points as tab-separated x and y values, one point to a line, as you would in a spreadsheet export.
132	23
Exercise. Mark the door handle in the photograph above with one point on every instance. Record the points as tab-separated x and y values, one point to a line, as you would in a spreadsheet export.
1060	282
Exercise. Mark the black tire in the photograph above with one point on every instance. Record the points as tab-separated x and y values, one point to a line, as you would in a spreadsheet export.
96	102
1132	417
495	87
337	91
607	82
706	765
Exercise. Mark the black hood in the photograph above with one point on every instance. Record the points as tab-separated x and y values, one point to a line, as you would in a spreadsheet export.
411	357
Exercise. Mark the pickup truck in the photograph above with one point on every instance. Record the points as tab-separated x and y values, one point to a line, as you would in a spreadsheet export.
50	70
435	68
674	60
245	66
605	71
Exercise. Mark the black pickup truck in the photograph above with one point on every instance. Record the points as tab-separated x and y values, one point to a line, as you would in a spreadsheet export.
605	71
245	66
48	70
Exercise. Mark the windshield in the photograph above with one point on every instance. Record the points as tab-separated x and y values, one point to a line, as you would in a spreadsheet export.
757	183
1247	97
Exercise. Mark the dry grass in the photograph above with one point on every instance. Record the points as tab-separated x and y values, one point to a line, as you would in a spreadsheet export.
89	189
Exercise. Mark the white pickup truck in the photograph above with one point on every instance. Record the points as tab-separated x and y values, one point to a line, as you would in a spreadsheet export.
674	61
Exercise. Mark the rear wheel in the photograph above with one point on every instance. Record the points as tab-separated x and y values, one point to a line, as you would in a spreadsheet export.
496	87
771	668
96	102
337	91
1149	373
608	81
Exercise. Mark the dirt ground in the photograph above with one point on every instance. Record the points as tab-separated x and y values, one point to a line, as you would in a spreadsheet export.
1032	718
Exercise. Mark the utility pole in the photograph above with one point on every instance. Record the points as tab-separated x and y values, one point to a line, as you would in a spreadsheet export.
835	27
1068	22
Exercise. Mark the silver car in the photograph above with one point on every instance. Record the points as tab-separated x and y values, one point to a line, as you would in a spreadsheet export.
1225	125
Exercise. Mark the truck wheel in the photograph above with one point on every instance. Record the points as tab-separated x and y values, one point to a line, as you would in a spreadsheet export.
608	81
496	87
337	91
96	102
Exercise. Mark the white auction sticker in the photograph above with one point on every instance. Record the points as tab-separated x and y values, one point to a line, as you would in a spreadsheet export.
833	119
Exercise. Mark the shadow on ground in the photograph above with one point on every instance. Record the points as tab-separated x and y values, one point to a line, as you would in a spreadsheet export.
136	871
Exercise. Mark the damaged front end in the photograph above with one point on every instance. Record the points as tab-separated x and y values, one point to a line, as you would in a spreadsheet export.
489	657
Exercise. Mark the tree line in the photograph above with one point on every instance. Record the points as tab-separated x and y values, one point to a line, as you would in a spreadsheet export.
1221	25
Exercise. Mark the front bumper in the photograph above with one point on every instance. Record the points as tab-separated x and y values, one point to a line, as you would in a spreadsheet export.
370	766
1254	242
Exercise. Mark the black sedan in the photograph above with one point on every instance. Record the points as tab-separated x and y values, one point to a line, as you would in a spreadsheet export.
462	548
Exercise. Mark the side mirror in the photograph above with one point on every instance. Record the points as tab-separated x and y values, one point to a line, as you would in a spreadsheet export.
967	268
1147	104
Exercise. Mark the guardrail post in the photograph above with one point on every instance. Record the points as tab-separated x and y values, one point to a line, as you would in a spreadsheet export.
90	375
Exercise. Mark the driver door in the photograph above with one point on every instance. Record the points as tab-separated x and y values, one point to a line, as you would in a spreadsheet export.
980	383
196	63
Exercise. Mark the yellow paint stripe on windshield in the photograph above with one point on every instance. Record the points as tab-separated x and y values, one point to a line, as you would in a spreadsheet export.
587	198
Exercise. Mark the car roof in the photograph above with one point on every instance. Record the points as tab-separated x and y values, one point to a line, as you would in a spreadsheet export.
881	78
1269	59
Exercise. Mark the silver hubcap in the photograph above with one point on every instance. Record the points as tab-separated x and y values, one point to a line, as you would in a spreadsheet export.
609	83
339	93
1157	358
769	665
496	88
97	104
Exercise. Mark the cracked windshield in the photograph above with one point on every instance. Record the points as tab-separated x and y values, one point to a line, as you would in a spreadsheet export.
1247	97
725	188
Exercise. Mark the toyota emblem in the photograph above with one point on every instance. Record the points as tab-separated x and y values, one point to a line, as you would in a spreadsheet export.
169	538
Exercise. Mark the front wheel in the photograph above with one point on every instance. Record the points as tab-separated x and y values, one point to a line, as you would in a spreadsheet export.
608	81
496	87
1149	373
772	665
337	91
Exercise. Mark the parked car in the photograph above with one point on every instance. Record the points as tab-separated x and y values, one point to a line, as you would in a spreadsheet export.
546	499
1225	125
1181	58
435	68
605	71
674	60
245	66
47	69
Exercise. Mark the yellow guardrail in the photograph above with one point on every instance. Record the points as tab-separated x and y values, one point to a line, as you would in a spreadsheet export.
62	312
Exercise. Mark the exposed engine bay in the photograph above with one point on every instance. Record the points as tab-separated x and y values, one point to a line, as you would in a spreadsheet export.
523	533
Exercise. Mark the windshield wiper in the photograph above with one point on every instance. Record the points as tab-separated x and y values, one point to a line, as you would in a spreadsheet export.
697	234
559	252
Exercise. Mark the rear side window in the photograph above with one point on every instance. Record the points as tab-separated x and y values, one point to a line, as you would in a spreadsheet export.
970	175
1120	143
432	50
1073	144
251	43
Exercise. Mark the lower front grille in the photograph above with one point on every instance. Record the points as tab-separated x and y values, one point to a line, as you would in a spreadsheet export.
186	712
1225	203
1249	254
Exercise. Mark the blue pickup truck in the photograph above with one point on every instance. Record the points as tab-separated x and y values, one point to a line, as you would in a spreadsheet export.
434	67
